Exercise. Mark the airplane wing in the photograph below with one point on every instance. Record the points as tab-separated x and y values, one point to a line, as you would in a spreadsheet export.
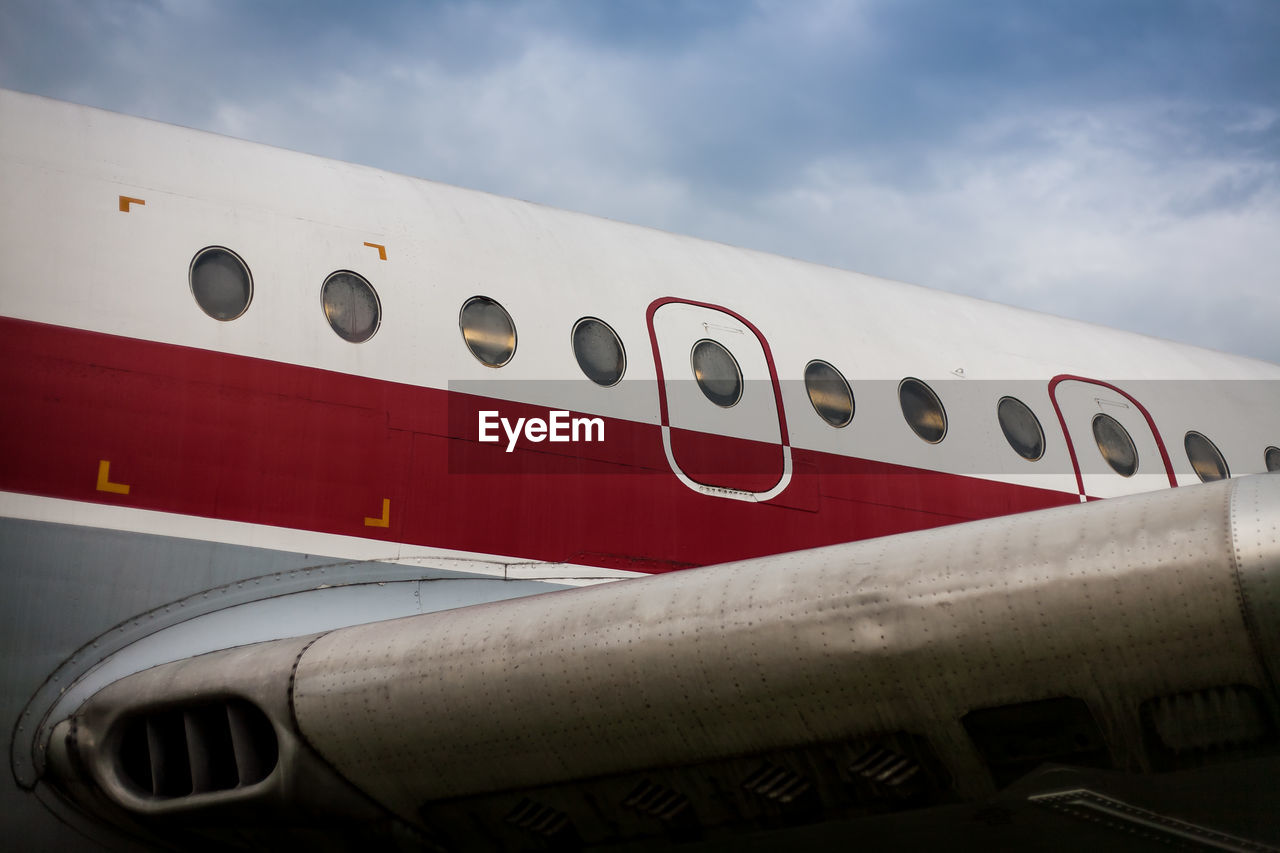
1102	673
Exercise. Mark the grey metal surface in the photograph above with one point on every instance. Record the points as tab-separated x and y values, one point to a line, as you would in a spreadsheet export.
1111	602
450	719
1255	534
305	802
114	588
72	596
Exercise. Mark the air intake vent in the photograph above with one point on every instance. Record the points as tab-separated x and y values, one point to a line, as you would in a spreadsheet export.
654	800
1016	739
1219	723
883	765
196	749
537	818
776	783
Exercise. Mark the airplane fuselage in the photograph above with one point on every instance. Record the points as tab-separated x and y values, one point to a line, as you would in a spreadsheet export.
171	462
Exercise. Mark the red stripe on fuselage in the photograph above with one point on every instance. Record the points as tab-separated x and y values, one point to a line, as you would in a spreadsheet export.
209	434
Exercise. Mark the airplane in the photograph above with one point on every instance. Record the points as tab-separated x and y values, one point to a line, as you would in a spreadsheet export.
341	507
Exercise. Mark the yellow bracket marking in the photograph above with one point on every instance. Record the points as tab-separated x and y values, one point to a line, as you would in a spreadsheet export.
385	521
104	480
125	201
382	250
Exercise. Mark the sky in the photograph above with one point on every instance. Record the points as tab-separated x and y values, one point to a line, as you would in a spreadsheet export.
1115	161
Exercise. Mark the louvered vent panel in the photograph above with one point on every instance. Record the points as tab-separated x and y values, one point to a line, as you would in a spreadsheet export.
196	749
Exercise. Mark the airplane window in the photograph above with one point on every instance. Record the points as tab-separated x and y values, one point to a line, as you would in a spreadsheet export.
220	282
923	410
351	306
1205	458
599	351
1115	445
829	393
487	328
1273	458
1021	428
717	373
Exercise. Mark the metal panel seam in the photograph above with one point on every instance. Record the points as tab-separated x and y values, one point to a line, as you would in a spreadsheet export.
302	738
1242	595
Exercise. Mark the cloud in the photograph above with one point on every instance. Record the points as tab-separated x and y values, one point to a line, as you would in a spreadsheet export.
1098	160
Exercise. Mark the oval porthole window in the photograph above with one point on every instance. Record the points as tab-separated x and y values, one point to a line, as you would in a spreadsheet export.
599	351
717	372
1205	458
351	306
1021	428
220	282
829	393
1115	445
923	410
487	328
1272	457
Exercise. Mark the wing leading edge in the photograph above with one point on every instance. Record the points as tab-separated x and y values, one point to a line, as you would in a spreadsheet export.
946	673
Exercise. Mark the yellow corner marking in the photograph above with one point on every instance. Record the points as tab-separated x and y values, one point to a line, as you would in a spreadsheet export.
385	521
125	201
104	480
382	250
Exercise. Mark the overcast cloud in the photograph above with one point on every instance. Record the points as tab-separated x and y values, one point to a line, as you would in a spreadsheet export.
1117	162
